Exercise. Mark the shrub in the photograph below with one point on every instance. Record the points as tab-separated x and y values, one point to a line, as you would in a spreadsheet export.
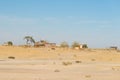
85	46
64	45
78	61
11	57
67	63
53	48
10	43
75	44
57	70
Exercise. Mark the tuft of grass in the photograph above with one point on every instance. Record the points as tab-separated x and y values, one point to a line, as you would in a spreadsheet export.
57	70
67	63
11	57
75	56
53	48
88	76
92	59
78	61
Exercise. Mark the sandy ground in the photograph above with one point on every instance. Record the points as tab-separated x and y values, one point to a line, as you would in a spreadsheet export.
58	64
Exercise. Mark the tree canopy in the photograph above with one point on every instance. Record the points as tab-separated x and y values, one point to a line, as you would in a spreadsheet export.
29	40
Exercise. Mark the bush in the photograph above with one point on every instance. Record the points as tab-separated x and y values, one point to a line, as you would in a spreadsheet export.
85	46
78	61
57	70
10	43
11	57
75	44
64	45
67	63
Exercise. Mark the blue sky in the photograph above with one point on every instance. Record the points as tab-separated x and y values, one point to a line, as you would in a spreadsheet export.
95	22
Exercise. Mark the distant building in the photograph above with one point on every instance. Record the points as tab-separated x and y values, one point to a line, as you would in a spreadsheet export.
114	47
81	46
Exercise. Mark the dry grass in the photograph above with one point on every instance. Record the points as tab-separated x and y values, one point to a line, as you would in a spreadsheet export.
57	70
59	53
78	61
88	76
11	57
67	63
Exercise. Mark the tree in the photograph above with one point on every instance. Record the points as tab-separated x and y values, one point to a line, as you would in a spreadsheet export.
64	45
10	43
29	40
75	44
84	46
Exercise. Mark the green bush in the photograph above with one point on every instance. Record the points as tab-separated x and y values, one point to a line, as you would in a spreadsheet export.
75	44
85	46
10	43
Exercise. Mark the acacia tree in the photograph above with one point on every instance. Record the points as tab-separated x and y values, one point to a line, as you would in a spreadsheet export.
29	40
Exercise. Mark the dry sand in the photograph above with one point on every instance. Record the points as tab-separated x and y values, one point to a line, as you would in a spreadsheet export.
58	64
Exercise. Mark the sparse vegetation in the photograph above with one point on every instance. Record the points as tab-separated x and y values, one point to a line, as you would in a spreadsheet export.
67	63
11	57
64	45
10	43
78	61
88	76
57	70
84	46
53	48
92	59
75	44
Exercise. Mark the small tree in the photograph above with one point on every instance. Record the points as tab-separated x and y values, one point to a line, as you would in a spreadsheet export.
64	45
75	44
10	43
29	40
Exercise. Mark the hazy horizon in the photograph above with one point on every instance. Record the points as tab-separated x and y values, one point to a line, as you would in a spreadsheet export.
96	23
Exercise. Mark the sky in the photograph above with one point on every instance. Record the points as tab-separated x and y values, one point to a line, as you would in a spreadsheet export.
92	22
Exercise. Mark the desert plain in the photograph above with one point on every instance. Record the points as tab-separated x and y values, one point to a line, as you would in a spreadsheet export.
20	63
